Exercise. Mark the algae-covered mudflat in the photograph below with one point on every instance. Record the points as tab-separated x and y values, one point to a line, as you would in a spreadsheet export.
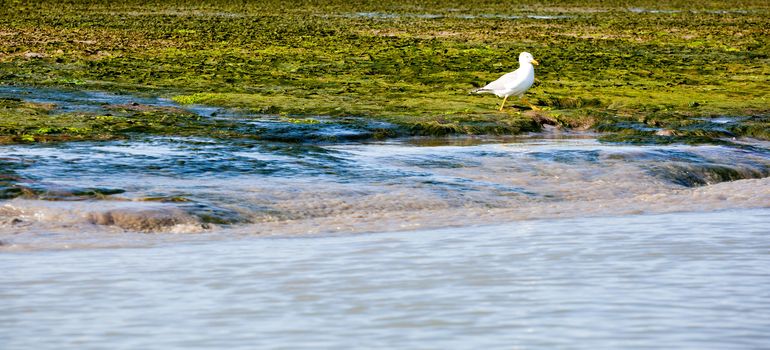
643	71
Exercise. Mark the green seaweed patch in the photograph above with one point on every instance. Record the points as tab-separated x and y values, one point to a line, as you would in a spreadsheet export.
37	191
308	121
490	124
143	108
566	102
757	127
197	98
26	122
672	128
403	62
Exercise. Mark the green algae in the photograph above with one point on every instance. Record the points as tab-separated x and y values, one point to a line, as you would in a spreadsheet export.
25	122
411	64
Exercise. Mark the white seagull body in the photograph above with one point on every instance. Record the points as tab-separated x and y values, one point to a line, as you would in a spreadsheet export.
515	83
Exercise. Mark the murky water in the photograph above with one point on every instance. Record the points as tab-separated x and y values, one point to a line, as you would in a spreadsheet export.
539	241
684	280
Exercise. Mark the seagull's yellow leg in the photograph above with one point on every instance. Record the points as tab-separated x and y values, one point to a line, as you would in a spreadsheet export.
503	104
534	108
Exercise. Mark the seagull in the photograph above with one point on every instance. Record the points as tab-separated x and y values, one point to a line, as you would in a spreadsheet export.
514	83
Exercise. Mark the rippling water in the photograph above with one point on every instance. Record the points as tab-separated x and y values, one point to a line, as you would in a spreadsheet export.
540	241
92	194
685	281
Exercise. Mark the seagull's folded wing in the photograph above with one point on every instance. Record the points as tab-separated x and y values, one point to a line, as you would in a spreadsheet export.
505	82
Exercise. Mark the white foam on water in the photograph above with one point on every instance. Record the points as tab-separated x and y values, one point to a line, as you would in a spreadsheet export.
390	186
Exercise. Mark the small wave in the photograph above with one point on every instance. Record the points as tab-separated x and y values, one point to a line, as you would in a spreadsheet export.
41	215
147	220
260	188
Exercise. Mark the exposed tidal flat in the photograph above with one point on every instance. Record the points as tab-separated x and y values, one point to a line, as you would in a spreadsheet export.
212	174
641	70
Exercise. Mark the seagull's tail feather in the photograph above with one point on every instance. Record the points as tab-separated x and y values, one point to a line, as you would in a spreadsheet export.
480	91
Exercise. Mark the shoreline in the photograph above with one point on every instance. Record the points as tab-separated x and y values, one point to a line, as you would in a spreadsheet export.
64	115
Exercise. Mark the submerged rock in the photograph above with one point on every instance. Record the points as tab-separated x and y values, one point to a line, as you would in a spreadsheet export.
694	175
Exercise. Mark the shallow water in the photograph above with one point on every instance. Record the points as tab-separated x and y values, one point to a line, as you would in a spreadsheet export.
681	280
539	241
75	100
81	194
107	194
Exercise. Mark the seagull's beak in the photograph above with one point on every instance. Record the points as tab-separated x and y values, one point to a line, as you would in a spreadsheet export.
535	62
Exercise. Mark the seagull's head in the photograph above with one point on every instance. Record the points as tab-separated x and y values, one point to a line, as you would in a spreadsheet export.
526	58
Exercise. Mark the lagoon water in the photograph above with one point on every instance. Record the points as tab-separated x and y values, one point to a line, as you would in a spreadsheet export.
535	242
